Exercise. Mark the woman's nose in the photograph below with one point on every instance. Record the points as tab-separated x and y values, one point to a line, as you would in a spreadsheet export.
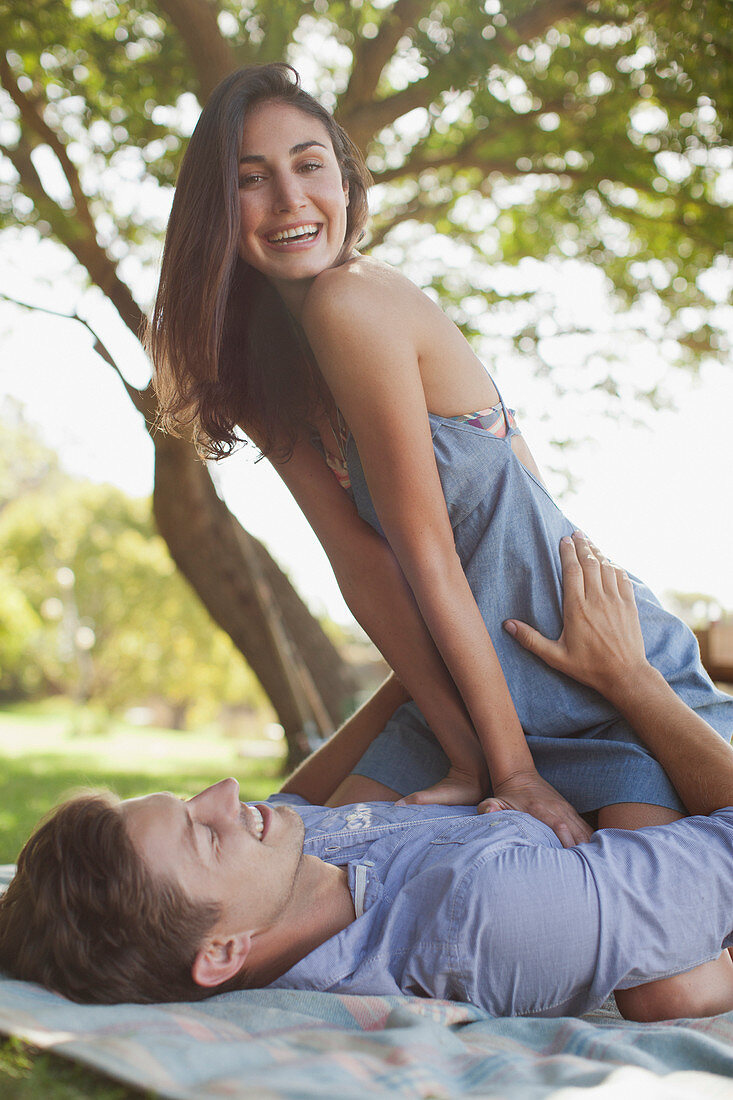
288	195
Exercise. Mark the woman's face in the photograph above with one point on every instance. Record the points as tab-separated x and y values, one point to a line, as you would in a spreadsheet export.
292	198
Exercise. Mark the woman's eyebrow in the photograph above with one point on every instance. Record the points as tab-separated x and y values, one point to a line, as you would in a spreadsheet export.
258	157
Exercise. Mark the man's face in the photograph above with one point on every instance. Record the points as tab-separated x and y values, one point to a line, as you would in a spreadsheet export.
216	848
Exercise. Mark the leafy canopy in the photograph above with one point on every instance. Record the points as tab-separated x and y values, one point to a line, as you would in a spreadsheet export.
584	130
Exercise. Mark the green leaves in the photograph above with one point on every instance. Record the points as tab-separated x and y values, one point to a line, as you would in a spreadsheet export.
592	131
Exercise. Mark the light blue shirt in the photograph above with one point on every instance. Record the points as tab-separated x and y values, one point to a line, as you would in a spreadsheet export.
491	909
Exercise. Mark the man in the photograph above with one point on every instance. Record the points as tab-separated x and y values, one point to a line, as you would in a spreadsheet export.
160	899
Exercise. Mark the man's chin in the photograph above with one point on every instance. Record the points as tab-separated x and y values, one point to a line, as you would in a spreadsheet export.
292	822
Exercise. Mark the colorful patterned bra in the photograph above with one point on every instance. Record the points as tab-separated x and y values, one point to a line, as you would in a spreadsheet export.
491	420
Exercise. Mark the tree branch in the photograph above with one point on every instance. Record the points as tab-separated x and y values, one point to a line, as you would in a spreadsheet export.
537	20
372	54
363	119
402	213
143	400
461	158
212	56
77	234
31	111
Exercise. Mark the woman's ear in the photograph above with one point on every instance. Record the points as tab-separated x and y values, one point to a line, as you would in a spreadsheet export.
218	960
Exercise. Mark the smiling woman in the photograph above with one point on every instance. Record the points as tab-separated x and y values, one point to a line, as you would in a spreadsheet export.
225	351
293	200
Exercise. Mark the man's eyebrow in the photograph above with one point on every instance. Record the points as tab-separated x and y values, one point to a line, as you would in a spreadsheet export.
258	158
189	835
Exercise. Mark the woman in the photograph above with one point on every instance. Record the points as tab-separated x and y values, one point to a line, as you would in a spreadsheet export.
267	319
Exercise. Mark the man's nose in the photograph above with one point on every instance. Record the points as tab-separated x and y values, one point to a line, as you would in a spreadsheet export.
222	796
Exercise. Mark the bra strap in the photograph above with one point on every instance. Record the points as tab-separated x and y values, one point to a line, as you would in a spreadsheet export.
509	429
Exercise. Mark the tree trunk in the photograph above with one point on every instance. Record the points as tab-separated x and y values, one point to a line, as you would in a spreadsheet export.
250	598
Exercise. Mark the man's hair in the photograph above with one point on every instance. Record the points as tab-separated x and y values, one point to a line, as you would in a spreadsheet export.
86	918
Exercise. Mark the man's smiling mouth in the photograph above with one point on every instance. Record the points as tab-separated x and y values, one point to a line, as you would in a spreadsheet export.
258	822
300	233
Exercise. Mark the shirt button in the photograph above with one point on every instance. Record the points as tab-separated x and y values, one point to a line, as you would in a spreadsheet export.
368	862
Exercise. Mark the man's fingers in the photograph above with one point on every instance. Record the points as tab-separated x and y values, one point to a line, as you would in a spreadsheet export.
625	586
609	578
532	640
589	563
573	586
615	578
574	832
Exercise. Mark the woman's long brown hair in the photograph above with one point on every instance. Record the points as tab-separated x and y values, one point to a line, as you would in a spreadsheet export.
224	350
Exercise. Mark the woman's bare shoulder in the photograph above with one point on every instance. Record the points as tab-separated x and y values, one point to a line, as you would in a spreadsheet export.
360	282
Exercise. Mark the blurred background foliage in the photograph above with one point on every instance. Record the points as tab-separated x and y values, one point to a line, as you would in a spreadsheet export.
91	604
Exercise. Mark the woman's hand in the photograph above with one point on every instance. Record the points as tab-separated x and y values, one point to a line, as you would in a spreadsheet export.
458	788
601	644
528	792
525	791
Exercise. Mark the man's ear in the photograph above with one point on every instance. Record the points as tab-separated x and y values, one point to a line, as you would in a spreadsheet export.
218	960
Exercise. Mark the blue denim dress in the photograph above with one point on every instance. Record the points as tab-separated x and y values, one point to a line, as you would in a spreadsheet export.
507	531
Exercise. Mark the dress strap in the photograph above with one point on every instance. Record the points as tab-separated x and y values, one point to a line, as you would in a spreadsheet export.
510	427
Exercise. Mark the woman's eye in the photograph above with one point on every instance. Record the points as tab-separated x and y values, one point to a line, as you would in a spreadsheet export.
310	166
244	181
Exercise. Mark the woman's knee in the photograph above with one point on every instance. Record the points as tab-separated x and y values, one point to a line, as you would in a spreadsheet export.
358	788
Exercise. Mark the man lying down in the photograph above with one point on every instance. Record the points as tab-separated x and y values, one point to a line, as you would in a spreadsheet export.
159	899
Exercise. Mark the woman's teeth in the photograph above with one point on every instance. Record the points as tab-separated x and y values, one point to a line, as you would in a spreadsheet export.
259	824
301	233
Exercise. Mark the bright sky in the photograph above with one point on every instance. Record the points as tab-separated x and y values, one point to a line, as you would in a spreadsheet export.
655	496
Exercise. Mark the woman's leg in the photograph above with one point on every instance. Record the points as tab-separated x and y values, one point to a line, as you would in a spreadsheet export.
358	788
704	991
635	815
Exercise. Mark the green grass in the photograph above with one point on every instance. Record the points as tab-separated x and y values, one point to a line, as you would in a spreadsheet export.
48	749
27	1074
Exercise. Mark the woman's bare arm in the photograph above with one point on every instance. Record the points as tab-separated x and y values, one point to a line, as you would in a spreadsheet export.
321	773
360	332
602	646
380	599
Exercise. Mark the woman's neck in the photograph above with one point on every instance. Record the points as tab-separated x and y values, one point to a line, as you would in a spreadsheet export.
295	291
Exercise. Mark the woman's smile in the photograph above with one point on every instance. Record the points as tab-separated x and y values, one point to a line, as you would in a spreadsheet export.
291	237
292	198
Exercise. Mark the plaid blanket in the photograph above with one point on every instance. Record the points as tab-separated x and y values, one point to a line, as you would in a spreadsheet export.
291	1045
273	1044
